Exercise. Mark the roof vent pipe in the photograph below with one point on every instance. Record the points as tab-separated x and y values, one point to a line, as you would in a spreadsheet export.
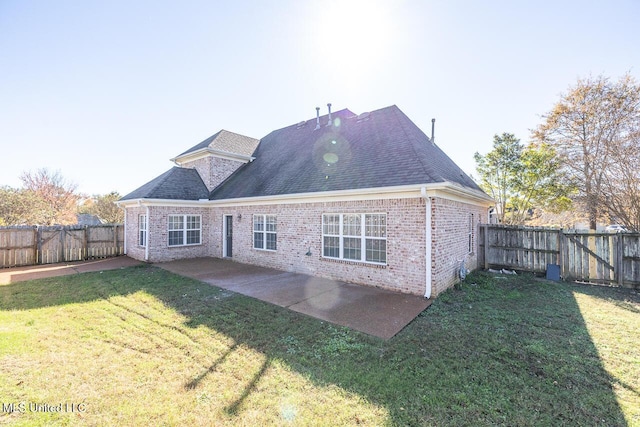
317	118
329	123
433	127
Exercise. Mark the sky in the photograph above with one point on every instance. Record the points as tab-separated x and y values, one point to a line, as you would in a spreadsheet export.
106	92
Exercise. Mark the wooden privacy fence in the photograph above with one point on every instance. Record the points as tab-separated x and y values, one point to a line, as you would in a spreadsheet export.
582	256
27	245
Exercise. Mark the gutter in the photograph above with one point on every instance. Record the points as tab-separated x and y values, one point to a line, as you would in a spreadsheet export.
445	190
427	244
124	232
208	151
146	246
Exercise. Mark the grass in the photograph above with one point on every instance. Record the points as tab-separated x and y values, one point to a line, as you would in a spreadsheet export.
142	346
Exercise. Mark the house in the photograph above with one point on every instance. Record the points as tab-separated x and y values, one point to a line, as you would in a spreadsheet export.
367	199
88	219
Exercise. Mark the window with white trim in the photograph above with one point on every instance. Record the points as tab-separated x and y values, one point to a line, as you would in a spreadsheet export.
142	230
185	230
265	232
355	237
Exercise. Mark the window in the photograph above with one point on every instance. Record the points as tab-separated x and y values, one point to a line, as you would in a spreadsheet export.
356	237
376	237
351	232
331	236
185	230
265	232
142	230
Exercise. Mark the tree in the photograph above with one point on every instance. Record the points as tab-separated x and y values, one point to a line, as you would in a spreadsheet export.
540	183
498	169
621	183
16	206
105	208
588	128
520	178
55	199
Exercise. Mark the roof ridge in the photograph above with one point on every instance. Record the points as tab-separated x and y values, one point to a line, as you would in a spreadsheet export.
412	140
232	141
164	178
333	114
232	132
200	177
199	145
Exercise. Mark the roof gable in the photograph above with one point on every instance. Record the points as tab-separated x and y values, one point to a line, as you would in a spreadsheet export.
380	149
223	142
175	184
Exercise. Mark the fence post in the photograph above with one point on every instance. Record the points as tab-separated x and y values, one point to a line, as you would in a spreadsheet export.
35	244
62	237
486	246
115	239
39	250
85	243
619	264
562	259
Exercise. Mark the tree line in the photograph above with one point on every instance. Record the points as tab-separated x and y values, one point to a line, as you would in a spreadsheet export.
46	198
583	156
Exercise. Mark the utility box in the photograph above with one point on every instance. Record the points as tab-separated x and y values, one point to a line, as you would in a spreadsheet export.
553	272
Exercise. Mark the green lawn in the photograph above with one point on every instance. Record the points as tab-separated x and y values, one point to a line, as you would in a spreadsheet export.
142	346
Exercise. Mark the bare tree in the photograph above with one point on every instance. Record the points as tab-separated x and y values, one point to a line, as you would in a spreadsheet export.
621	189
588	127
57	200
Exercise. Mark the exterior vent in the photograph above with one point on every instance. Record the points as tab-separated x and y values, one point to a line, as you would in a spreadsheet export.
301	124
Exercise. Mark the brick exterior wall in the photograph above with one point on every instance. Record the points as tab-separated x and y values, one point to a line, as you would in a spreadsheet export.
450	224
131	232
158	234
213	170
299	230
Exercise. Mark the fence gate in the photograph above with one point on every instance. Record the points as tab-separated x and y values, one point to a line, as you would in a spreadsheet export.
48	245
590	257
583	256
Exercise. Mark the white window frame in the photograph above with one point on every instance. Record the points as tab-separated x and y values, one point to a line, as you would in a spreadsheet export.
184	229
265	231
362	236
143	230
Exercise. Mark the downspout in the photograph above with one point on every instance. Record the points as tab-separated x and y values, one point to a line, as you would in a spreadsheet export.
146	246
125	228
427	244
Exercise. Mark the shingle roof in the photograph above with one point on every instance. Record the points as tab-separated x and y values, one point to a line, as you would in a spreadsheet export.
175	184
226	141
384	149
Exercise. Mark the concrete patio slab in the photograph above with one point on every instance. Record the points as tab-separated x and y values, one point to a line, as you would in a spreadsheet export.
370	310
286	289
20	274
